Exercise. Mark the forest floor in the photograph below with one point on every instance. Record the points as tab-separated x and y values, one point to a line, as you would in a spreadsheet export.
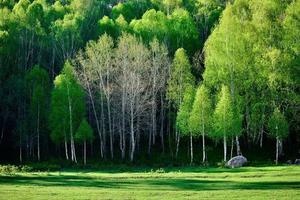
280	182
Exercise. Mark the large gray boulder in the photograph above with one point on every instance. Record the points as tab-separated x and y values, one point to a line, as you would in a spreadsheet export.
237	161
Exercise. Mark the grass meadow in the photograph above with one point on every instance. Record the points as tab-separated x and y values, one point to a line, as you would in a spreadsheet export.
276	182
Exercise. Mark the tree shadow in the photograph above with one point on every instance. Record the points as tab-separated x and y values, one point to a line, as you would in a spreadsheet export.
150	183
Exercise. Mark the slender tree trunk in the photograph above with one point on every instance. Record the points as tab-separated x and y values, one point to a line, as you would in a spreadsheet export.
162	116
123	146
73	152
238	147
280	147
277	149
203	148
225	149
138	134
149	143
177	135
3	126
203	140
66	149
261	139
169	131
20	150
110	129
97	120
84	152
103	125
132	133
191	148
154	129
38	133
231	151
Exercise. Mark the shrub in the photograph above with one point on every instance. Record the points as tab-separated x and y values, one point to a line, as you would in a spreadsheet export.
9	169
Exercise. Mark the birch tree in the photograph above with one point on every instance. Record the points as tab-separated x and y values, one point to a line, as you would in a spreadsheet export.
180	78
200	117
67	109
278	127
84	134
183	115
38	86
223	118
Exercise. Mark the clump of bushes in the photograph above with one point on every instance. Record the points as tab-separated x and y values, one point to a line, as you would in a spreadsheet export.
159	171
12	169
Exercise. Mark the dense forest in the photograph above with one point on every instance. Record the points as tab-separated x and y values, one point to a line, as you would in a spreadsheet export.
159	81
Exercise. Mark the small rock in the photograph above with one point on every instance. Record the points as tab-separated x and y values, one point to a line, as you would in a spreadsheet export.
297	162
237	161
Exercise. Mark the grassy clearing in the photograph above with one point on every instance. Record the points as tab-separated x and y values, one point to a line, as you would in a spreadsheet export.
282	182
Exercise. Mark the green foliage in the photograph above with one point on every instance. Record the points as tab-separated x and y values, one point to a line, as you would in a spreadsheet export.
252	48
107	25
183	115
84	132
278	126
207	14
180	79
152	24
200	117
183	32
223	117
67	102
131	9
177	30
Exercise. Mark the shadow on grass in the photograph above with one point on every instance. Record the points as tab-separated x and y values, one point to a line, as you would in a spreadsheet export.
144	183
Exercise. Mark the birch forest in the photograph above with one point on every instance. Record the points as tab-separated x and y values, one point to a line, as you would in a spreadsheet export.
164	82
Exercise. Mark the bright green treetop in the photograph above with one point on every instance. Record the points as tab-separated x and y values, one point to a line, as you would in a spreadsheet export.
67	102
183	115
201	114
223	115
181	77
278	126
84	132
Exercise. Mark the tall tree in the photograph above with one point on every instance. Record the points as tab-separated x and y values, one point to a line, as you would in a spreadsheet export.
223	118
183	115
38	84
278	127
200	117
67	108
83	134
180	78
159	74
133	72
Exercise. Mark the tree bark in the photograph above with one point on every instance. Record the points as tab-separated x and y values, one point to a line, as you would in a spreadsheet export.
238	147
203	148
66	149
231	151
110	131
277	149
20	150
84	152
191	148
132	133
177	135
203	141
73	153
97	120
225	149
38	133
162	116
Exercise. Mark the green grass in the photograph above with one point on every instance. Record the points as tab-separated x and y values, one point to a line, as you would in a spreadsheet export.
282	182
